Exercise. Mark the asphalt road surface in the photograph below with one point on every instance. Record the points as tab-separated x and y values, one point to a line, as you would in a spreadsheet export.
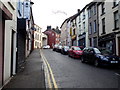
71	73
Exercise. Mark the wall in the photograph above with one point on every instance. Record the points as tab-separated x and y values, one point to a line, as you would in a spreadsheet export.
9	28
44	39
63	37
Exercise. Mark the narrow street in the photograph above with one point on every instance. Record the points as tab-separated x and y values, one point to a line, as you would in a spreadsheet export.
71	73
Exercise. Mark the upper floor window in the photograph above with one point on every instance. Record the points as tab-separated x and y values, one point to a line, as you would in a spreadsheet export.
94	9
52	34
84	14
84	25
91	11
89	14
115	3
103	26
94	25
90	28
116	18
79	18
80	29
103	8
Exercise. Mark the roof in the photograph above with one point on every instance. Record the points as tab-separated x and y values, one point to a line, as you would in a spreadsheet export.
70	18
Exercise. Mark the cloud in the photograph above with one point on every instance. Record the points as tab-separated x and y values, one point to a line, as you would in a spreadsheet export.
59	11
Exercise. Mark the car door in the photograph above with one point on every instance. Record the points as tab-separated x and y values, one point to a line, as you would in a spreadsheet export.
70	51
91	55
85	54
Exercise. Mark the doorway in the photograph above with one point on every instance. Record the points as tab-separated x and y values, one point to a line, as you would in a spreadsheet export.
12	52
119	46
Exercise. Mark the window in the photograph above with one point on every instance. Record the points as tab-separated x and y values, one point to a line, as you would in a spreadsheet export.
94	9
79	18
103	8
115	3
84	25
94	25
116	17
84	14
52	34
91	11
103	26
90	28
89	14
38	36
80	29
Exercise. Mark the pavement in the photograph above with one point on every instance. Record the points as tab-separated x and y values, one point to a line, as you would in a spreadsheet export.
33	74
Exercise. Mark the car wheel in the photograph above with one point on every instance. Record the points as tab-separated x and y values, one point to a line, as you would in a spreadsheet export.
96	63
82	60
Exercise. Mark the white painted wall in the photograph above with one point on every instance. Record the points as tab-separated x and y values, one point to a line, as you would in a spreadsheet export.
80	31
109	20
9	26
68	34
64	33
44	42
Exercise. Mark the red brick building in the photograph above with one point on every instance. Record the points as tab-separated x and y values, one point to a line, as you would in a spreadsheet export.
53	36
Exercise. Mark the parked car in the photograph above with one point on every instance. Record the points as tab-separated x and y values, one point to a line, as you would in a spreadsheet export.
55	47
75	52
59	47
65	49
46	47
99	56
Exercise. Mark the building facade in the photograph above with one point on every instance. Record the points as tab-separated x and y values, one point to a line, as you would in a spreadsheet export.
82	27
109	31
5	14
64	34
25	35
51	36
44	39
93	24
10	41
37	37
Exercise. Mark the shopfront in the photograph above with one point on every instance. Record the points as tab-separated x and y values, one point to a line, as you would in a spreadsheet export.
108	41
74	40
81	41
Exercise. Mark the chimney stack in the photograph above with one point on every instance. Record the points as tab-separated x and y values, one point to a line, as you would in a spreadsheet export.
78	10
48	27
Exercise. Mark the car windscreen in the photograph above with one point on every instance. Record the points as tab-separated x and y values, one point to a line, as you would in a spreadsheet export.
77	48
96	50
106	51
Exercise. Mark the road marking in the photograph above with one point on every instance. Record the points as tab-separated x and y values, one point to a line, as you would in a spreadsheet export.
49	73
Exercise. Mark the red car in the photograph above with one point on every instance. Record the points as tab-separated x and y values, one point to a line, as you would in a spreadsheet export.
75	52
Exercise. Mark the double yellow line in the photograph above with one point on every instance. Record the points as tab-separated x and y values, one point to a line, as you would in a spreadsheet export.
50	77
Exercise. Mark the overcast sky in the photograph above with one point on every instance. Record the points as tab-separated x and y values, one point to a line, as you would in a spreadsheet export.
54	12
